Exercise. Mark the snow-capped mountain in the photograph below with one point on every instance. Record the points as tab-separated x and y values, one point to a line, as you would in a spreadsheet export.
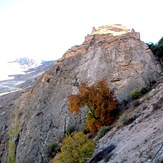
17	66
21	71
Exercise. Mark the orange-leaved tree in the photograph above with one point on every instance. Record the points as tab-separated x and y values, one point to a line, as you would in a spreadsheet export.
100	101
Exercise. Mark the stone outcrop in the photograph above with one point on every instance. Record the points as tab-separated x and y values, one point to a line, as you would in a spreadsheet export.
112	52
116	53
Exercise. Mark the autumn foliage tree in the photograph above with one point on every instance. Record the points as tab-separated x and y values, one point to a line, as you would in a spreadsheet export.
100	101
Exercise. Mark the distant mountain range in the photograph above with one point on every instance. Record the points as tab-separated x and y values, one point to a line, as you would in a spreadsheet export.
24	71
25	61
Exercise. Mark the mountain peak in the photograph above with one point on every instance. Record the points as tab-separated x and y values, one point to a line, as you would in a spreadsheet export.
104	34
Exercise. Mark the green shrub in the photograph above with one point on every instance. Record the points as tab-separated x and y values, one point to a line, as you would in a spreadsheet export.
157	49
135	94
70	130
13	136
52	149
125	119
76	148
103	130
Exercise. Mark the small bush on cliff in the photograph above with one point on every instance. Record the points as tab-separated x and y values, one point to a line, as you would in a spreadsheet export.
52	149
103	130
126	119
135	94
76	148
70	130
100	102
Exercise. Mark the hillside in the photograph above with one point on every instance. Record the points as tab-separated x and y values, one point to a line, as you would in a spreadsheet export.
140	140
113	52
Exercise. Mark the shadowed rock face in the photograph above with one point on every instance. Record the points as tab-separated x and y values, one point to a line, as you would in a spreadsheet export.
7	103
122	59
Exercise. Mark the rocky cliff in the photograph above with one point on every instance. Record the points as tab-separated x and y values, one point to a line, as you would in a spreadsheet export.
112	52
142	139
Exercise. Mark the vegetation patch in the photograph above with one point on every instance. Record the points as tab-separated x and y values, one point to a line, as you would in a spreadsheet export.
100	101
75	148
52	149
70	130
137	93
103	131
126	119
157	49
13	137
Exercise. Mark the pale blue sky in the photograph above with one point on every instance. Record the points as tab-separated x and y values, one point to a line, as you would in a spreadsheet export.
45	29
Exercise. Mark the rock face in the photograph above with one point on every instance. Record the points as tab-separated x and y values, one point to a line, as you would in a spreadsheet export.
7	103
140	141
112	52
116	53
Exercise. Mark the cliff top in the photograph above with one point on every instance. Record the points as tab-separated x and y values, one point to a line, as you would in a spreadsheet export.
107	34
114	29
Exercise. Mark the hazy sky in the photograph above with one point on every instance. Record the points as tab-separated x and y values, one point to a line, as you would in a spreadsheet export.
45	29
